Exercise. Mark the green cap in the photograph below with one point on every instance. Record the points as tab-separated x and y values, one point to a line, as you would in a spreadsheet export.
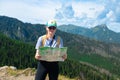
51	23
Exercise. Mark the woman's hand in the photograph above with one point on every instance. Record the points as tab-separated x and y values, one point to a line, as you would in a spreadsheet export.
64	56
37	55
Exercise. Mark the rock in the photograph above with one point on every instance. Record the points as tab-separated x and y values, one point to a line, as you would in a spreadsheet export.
4	67
13	68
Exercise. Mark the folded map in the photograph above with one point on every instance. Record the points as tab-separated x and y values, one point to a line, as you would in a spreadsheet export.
52	54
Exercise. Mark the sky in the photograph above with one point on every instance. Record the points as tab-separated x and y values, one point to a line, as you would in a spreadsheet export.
85	13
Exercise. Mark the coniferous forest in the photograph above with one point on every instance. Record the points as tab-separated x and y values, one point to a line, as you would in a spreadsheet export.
21	55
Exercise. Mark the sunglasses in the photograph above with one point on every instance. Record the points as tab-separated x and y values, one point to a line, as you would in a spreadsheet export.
51	28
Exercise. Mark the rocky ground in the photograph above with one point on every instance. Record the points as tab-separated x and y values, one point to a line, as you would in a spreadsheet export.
11	73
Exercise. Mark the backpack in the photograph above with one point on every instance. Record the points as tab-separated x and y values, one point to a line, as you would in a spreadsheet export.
44	37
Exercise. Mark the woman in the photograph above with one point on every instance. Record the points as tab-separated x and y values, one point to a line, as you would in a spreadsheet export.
44	67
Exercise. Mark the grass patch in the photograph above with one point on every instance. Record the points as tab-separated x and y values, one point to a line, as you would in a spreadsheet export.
98	61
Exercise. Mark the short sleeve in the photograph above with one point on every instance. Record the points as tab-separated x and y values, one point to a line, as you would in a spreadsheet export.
39	43
61	43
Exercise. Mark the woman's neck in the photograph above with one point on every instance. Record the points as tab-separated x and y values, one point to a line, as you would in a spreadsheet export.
50	35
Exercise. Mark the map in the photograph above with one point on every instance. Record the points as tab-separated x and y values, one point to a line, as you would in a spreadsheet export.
52	54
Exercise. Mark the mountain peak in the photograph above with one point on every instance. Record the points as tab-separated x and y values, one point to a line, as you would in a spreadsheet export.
104	26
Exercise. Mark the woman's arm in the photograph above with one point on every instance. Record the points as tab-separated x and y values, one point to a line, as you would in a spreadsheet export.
37	55
38	44
61	45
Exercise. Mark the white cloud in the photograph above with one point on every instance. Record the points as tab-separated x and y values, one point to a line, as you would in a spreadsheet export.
66	11
87	8
114	26
88	13
78	13
29	12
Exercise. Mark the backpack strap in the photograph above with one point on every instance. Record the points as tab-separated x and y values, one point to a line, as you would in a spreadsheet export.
58	41
44	38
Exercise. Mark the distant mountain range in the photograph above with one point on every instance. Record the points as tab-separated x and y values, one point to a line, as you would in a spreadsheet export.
100	32
80	48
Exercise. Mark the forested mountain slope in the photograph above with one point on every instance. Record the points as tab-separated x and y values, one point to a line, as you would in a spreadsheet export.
21	55
99	32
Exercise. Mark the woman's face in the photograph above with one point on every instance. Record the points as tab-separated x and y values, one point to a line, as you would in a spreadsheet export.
51	30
